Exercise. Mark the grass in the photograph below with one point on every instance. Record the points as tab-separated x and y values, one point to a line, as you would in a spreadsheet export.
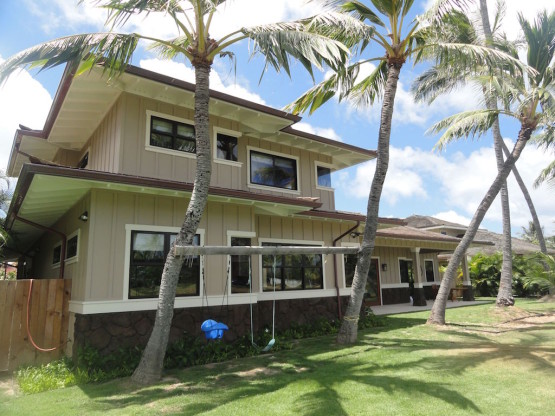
484	362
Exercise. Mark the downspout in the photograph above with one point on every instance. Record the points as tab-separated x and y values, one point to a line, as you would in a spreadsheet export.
350	230
50	230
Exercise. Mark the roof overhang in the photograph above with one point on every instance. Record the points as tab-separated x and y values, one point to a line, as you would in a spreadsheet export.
82	102
45	193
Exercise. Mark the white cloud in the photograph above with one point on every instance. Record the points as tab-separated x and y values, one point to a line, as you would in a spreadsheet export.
23	100
452	216
328	133
415	175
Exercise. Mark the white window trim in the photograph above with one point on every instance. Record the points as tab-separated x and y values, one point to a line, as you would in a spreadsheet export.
59	244
272	188
180	302
156	149
433	269
289	294
399	268
324	165
227	132
74	259
240	234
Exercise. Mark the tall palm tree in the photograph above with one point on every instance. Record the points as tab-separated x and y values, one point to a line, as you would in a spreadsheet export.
530	100
399	41
278	43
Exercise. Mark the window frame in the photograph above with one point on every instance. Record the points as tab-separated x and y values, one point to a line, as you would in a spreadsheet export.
56	265
327	166
158	149
238	234
262	241
433	270
75	258
227	132
399	260
129	229
250	184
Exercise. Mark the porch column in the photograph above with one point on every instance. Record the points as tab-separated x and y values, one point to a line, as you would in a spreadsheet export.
468	291
418	296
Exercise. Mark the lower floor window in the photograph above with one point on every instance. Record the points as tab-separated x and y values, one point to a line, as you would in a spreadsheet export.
429	270
405	268
240	276
292	271
148	255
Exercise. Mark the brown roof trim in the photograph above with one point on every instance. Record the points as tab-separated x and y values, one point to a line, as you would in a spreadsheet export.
217	95
29	170
330	142
350	216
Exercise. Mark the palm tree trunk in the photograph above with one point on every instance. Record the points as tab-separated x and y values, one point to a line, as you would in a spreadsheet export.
531	207
505	294
437	315
349	327
152	360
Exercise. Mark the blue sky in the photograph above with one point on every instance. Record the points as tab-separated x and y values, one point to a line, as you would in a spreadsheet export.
449	184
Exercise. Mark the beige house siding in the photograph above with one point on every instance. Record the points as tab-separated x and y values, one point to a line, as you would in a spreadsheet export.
104	146
391	256
67	157
75	269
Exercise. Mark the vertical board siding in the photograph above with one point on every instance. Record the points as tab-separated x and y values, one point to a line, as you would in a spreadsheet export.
48	321
105	142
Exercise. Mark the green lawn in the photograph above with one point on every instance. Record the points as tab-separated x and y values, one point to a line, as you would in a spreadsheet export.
484	362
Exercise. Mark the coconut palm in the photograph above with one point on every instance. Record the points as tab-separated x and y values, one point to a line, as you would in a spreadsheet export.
540	272
527	99
398	41
278	43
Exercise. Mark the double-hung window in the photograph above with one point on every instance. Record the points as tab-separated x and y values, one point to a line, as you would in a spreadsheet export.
173	135
292	271
405	269
273	170
149	250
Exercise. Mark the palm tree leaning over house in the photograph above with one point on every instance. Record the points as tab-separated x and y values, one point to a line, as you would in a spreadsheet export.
530	100
442	78
279	43
399	41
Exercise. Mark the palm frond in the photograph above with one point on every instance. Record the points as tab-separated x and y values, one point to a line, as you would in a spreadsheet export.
437	81
120	11
361	12
441	8
468	124
371	88
540	39
170	49
113	49
547	175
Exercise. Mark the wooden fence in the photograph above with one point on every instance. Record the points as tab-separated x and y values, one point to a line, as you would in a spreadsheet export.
48	321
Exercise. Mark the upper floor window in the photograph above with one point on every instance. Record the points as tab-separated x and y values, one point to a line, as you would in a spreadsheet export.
170	134
272	170
405	269
292	271
149	250
226	147
323	176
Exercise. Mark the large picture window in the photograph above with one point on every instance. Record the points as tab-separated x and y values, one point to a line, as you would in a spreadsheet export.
148	255
170	134
405	268
271	170
292	271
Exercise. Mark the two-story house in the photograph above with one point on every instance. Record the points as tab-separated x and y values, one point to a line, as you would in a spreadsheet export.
104	186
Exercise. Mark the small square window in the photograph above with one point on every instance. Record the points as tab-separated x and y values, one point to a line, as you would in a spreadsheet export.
227	148
324	176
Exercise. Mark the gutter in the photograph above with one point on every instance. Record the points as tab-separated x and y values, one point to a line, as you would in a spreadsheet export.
350	230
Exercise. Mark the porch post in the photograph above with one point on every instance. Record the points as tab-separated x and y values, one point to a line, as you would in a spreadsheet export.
468	291
418	297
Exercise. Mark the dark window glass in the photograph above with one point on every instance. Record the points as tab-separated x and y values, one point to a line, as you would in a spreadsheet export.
292	271
429	270
148	255
84	161
405	267
71	247
170	134
227	148
57	254
271	170
324	176
371	291
240	281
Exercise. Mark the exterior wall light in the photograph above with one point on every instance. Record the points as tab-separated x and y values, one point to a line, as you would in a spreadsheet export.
84	216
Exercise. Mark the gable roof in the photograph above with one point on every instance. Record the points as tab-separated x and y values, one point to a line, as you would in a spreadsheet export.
81	103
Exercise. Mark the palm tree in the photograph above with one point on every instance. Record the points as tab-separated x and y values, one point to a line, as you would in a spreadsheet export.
386	29
279	43
530	101
540	272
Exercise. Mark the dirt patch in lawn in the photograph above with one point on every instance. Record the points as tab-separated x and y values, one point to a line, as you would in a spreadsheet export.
8	385
256	372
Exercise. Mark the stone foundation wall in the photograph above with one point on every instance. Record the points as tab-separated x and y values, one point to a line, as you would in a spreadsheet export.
108	332
391	296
